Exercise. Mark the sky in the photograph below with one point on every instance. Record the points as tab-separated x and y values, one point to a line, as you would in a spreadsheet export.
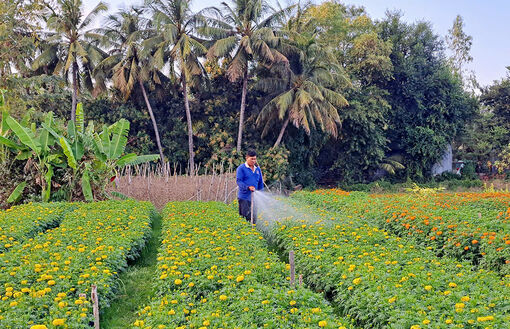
486	21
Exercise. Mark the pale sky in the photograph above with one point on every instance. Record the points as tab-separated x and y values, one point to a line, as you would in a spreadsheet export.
486	21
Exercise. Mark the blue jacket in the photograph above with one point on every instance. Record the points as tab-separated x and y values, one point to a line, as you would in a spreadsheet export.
245	178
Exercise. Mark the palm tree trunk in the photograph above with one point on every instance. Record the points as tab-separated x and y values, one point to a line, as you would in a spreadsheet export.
282	131
75	91
243	107
190	127
153	119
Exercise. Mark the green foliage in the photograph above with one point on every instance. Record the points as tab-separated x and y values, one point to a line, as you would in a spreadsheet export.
16	194
82	162
275	164
430	108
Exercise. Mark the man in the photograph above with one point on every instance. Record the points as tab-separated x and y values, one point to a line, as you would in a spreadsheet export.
249	180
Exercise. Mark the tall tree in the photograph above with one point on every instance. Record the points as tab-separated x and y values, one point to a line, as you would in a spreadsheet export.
429	106
303	92
243	32
177	45
66	48
19	26
459	43
128	65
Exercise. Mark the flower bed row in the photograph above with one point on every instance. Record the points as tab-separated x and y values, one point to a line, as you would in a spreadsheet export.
22	222
467	226
42	279
215	271
383	281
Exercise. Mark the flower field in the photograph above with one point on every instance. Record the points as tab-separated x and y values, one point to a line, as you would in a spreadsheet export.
408	261
467	226
43	276
22	222
385	281
215	271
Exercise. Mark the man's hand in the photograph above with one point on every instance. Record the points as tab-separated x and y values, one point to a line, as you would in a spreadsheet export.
252	188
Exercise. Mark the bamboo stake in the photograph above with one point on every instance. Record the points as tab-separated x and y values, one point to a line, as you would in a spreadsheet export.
292	268
95	306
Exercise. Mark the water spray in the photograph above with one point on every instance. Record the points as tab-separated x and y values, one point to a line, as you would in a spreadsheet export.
252	206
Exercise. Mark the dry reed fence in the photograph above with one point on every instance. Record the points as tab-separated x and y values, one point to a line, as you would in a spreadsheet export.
160	184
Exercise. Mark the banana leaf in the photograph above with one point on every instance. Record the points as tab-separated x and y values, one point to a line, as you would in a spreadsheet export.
119	139
129	159
23	155
46	193
25	135
68	151
85	185
16	194
10	144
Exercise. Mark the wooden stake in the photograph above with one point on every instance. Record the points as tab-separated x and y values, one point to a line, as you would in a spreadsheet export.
95	306
479	215
301	279
292	268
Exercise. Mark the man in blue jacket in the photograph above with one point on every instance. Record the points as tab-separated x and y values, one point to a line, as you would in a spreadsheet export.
249	180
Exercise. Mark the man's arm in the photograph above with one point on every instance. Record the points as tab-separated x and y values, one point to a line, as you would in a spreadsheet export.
239	179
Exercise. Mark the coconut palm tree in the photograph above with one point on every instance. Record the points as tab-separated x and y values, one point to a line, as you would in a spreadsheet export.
243	31
128	65
65	46
176	45
301	92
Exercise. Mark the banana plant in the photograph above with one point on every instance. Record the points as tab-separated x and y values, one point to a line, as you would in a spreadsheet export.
31	143
96	157
88	158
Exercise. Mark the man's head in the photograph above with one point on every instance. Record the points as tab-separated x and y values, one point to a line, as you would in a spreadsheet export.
251	157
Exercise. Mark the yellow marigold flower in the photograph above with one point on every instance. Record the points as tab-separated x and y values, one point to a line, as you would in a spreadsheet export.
426	321
465	299
178	281
51	283
428	288
206	323
39	326
240	278
223	297
59	322
292	302
459	305
171	312
322	323
356	281
452	284
449	321
392	300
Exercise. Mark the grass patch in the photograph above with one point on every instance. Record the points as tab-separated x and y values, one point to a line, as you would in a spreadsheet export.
135	287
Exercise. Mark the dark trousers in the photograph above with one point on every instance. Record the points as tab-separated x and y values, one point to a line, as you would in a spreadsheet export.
245	210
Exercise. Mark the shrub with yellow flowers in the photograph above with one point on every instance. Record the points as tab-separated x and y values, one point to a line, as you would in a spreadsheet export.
467	226
42	279
384	281
215	271
22	222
